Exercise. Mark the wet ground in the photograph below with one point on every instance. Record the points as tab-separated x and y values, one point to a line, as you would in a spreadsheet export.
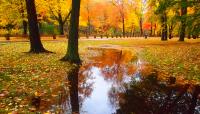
114	81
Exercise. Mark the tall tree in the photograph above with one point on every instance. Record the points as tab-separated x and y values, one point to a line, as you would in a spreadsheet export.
162	10
36	44
183	19
164	26
72	54
22	11
59	11
140	7
121	6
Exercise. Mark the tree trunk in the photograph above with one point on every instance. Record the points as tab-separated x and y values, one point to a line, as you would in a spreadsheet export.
123	22
24	23
25	27
154	32
36	44
141	28
151	34
170	31
164	27
61	28
170	35
89	27
183	19
72	54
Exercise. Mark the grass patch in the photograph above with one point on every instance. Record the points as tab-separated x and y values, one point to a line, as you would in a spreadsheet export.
175	60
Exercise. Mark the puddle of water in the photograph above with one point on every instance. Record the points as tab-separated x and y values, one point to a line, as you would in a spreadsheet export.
108	71
113	83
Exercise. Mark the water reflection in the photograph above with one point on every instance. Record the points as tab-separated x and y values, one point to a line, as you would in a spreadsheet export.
154	97
113	82
73	89
108	70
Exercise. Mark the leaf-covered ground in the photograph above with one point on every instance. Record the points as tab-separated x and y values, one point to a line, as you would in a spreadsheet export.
24	75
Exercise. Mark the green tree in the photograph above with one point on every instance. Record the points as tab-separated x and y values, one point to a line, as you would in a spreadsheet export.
193	19
162	10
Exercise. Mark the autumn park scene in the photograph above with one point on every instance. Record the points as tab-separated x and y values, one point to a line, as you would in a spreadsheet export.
99	56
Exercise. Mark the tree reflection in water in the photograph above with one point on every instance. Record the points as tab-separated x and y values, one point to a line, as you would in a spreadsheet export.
73	88
153	97
111	83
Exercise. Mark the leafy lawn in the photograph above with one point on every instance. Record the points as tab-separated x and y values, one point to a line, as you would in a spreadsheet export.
181	60
24	75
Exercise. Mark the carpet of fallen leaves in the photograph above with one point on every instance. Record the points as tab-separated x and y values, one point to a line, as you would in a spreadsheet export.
180	60
24	75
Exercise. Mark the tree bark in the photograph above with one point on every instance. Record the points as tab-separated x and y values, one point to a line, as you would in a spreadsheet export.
61	23
123	24
25	27
61	28
183	19
154	32
151	34
72	54
24	22
141	28
170	31
164	27
36	44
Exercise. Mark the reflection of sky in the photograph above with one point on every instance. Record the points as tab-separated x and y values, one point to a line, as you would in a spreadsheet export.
98	102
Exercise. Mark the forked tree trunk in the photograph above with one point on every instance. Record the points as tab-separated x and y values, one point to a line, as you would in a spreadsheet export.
36	44
72	54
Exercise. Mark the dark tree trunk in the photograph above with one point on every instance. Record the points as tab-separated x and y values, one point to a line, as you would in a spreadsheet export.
61	28
123	22
89	27
170	31
24	23
154	32
72	54
183	19
36	44
73	81
61	23
151	34
141	28
189	36
164	27
25	27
